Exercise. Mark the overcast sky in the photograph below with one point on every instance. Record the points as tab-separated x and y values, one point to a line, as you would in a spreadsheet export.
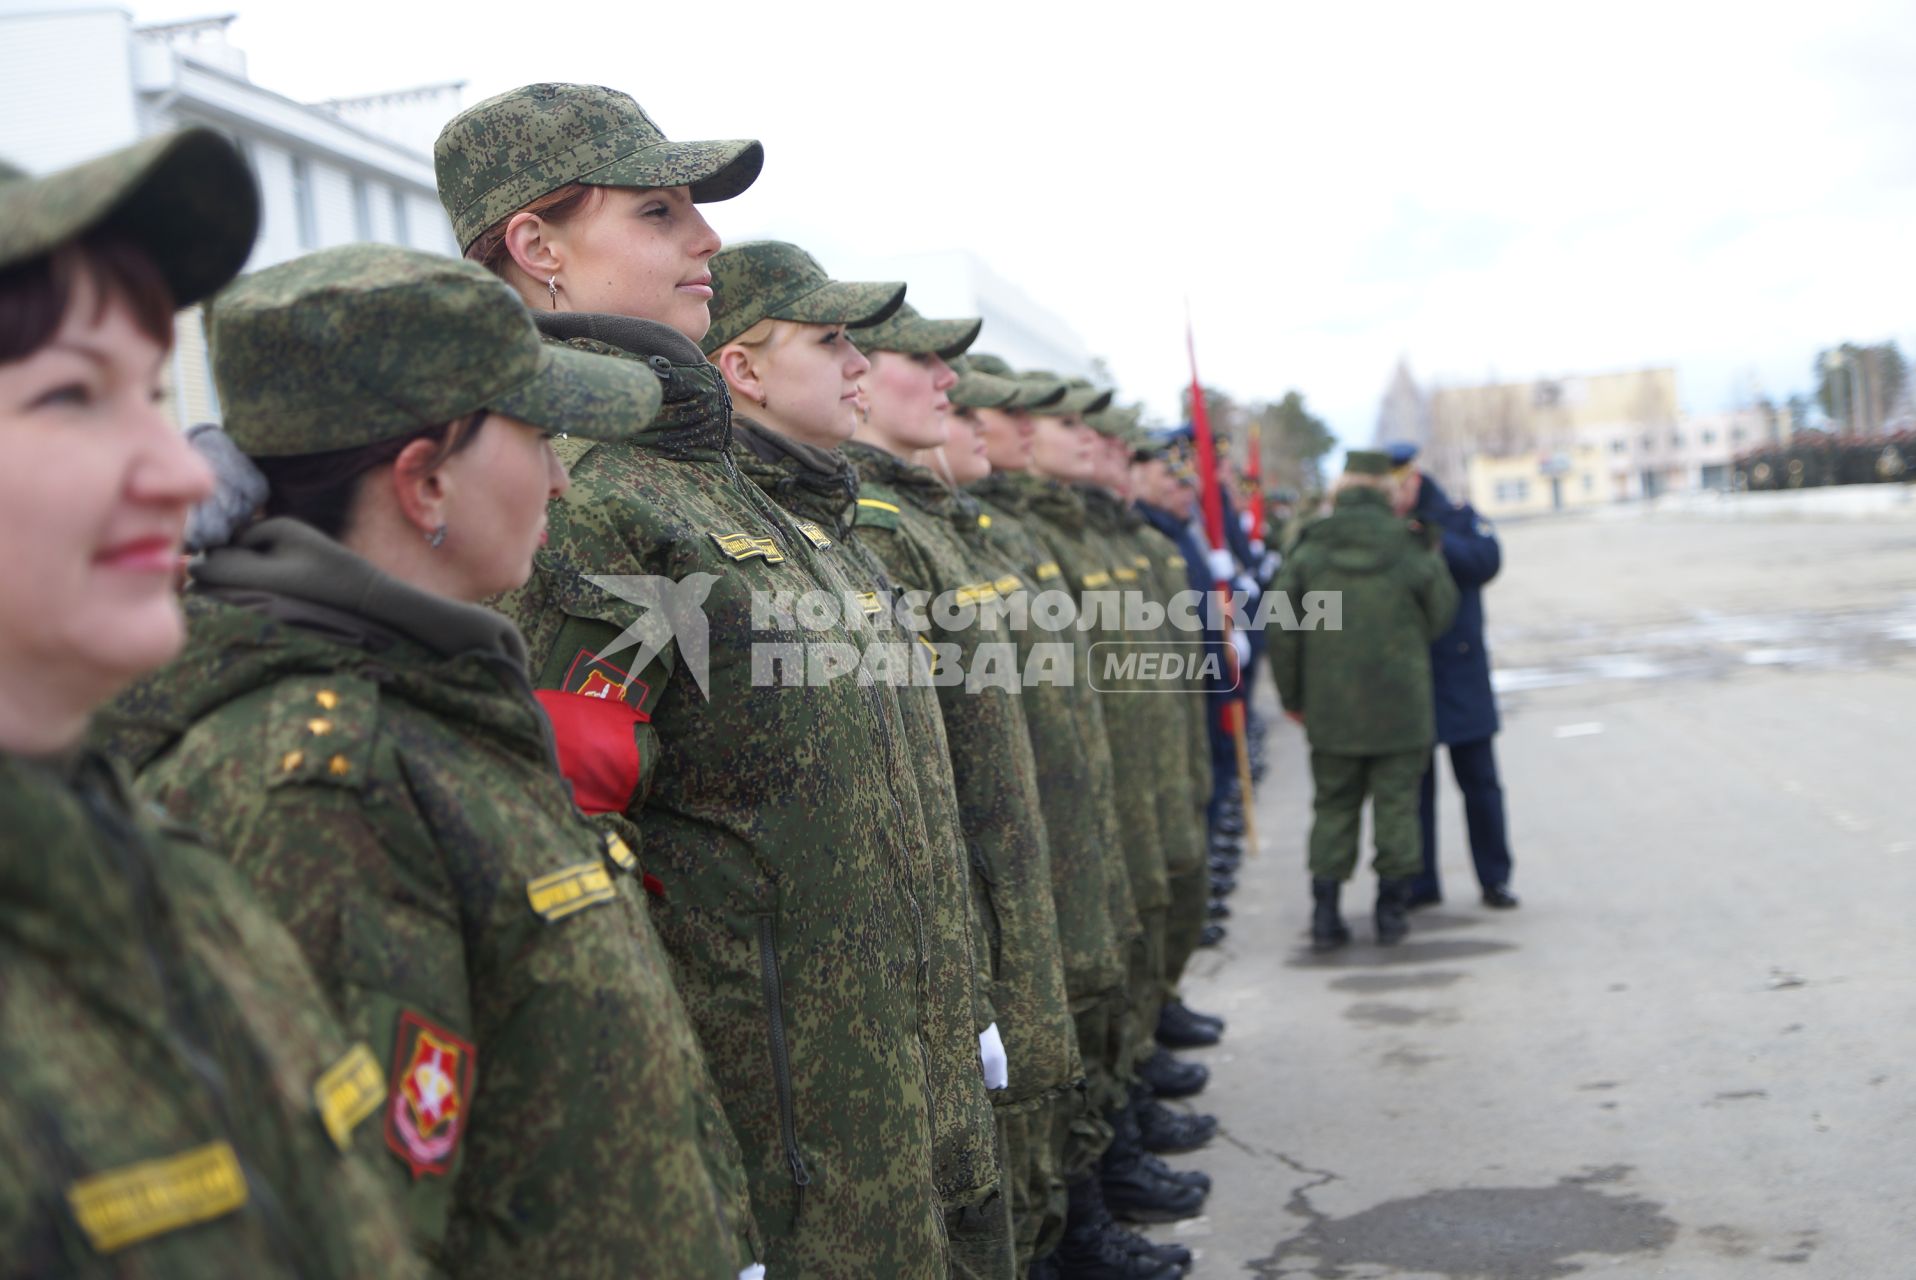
1508	189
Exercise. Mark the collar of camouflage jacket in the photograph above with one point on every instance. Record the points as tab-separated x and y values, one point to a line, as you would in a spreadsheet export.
1010	491
918	485
292	561
802	478
695	422
1107	511
1053	500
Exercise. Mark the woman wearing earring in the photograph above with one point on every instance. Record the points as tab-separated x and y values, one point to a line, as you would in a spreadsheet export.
360	733
780	823
780	337
179	1101
906	514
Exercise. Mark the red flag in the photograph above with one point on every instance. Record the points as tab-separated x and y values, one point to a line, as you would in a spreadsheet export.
1213	516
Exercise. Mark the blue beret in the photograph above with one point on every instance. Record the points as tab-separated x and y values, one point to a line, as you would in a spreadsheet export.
1400	453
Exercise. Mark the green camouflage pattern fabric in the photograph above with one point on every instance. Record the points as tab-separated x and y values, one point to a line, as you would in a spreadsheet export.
375	761
771	280
368	342
822	488
775	816
1367	462
1030	394
976	390
495	157
1082	398
1046	394
999	808
1365	690
909	333
1076	787
187	198
151	1009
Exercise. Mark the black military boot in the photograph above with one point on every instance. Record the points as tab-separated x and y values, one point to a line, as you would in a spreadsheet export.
1393	910
1131	1129
1217	909
1180	1028
1169	1077
1166	1132
1095	1248
1135	1185
1223	884
1328	930
1212	935
1175	1255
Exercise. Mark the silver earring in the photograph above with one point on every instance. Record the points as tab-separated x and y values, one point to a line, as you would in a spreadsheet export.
437	538
552	287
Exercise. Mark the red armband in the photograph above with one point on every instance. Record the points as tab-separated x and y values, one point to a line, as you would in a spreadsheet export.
598	747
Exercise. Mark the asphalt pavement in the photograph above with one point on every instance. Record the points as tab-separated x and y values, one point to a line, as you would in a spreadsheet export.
1689	1053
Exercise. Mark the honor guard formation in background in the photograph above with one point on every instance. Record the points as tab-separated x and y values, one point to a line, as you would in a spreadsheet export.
608	793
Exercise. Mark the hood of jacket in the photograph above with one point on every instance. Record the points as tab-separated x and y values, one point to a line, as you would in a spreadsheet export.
816	483
918	485
1362	534
695	422
285	600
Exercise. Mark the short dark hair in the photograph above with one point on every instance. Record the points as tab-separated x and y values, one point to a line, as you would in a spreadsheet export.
318	488
35	294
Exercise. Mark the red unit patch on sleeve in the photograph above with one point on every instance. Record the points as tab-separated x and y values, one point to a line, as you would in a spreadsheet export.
598	748
431	1095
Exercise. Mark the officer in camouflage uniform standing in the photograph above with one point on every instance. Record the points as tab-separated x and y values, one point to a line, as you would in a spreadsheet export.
179	1100
778	824
1363	692
780	336
360	733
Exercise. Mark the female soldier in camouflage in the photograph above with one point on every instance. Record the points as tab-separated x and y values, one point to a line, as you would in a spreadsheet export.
172	1073
779	818
361	734
779	335
911	518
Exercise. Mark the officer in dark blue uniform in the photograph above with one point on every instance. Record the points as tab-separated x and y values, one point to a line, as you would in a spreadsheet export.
1466	707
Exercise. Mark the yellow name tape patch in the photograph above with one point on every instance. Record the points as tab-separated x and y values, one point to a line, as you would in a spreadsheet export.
1009	583
869	602
572	890
349	1091
811	530
620	852
1125	575
1047	571
743	546
1092	581
150	1198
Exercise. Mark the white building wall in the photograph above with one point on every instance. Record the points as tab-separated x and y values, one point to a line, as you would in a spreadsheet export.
426	220
279	225
66	87
332	204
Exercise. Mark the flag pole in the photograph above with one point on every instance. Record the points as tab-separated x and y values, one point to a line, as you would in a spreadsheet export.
1213	504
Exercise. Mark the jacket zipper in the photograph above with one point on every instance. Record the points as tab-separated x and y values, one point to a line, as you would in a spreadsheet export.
781	1058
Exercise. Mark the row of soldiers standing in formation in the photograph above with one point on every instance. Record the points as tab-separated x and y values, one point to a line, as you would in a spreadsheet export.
559	944
1811	459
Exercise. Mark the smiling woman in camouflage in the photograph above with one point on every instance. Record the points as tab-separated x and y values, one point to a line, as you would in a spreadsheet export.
362	736
172	1071
780	822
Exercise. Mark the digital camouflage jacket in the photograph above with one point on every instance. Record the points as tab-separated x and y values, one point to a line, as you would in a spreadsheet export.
1364	689
1086	558
904	516
820	490
179	1100
374	760
1075	783
777	816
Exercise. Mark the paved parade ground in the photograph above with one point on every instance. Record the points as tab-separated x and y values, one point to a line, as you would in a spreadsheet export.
1689	1053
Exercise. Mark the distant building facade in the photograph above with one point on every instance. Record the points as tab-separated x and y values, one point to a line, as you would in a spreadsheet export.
81	81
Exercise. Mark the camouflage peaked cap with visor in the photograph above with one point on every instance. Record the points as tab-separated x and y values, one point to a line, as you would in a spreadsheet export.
495	157
367	342
772	280
1081	397
1367	462
186	198
1030	395
979	390
911	334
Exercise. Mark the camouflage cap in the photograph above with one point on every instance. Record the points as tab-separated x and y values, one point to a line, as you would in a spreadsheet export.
1082	397
979	390
187	198
1028	397
1045	393
911	334
772	280
495	157
1366	462
1118	423
368	342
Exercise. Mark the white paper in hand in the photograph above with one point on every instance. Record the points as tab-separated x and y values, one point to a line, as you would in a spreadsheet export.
991	1052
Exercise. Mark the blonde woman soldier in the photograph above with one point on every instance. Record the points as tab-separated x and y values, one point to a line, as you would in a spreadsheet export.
780	334
360	733
781	828
179	1100
906	514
